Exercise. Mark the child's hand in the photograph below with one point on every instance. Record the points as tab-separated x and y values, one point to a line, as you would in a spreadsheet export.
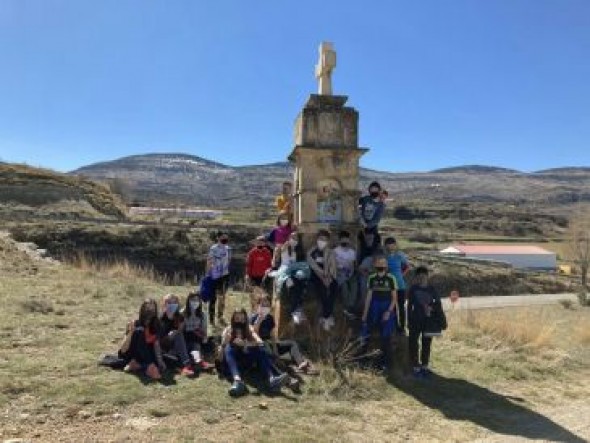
386	315
239	342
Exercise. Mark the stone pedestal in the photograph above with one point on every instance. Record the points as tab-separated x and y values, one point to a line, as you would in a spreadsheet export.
326	157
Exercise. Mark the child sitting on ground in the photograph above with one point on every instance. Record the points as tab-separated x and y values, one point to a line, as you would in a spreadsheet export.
172	337
380	308
195	330
141	348
241	345
426	318
263	324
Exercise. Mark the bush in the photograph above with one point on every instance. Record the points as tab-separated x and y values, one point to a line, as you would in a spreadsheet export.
584	299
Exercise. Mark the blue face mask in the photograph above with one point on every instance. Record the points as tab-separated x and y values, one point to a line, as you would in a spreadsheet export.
171	308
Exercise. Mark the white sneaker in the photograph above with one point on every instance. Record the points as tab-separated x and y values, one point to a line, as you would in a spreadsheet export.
325	322
331	321
296	317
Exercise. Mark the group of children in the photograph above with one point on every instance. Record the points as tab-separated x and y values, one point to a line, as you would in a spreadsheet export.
370	283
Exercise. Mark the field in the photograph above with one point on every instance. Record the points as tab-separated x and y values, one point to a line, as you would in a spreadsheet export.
501	374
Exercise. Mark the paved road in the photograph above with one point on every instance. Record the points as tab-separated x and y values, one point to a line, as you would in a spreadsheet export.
502	301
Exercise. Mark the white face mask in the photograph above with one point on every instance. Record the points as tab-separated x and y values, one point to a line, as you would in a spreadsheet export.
284	222
322	244
264	311
195	305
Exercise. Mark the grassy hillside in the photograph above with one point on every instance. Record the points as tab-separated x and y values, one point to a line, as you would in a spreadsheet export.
501	374
26	189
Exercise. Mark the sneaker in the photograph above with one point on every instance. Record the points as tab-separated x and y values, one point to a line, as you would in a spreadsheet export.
187	371
276	381
426	372
331	321
417	372
206	366
296	316
349	314
238	388
132	366
325	322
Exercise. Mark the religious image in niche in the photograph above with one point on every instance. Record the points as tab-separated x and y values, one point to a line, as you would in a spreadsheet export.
329	201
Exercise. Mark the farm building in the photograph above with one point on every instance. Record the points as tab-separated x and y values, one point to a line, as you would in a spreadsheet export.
519	256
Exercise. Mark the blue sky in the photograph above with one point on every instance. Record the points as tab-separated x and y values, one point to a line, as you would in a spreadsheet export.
437	83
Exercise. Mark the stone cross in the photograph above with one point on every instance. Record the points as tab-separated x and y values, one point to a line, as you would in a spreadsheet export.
323	70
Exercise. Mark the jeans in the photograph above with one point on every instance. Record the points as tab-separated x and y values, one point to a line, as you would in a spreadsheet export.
375	318
235	357
176	345
349	292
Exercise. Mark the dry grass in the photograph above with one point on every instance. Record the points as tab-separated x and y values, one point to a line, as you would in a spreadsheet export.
58	320
519	328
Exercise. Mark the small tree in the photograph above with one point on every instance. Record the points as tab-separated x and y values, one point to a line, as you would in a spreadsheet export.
579	243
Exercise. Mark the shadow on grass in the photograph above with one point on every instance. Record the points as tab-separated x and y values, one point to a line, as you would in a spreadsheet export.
462	400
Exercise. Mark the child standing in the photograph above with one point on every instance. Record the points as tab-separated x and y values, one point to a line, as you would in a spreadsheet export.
322	262
368	242
371	208
195	330
398	265
258	263
346	273
380	308
426	319
284	201
218	262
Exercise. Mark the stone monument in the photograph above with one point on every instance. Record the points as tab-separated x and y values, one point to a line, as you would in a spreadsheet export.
326	157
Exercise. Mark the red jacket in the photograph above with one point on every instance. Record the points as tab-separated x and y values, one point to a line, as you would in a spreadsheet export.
257	262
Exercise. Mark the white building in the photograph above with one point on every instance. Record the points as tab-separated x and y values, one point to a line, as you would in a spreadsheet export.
519	256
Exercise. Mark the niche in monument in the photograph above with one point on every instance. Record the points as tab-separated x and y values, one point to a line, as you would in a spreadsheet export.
329	201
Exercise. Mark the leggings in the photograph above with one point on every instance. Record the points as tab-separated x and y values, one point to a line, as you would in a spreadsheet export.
424	351
176	345
139	350
327	295
236	357
290	347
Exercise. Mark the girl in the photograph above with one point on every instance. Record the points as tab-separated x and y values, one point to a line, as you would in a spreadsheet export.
322	262
291	276
264	325
172	338
280	234
141	347
241	344
195	330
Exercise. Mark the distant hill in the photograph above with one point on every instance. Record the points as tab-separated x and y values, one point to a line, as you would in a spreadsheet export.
181	179
27	187
474	169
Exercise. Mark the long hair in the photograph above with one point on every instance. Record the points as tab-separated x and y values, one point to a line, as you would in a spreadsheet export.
147	310
246	333
187	307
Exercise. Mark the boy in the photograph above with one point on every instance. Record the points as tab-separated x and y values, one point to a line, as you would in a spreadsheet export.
218	262
371	208
285	199
346	273
380	308
258	262
368	243
322	262
398	265
426	318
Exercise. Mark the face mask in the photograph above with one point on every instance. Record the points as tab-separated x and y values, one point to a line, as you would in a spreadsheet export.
171	308
239	325
264	311
322	244
374	194
293	243
224	241
380	269
259	247
344	244
284	222
195	305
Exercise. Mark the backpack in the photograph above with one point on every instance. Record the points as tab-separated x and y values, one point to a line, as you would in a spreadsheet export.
207	288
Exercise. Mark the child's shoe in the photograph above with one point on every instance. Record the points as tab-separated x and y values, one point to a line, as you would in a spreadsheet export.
426	372
187	371
417	372
238	388
276	381
205	365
